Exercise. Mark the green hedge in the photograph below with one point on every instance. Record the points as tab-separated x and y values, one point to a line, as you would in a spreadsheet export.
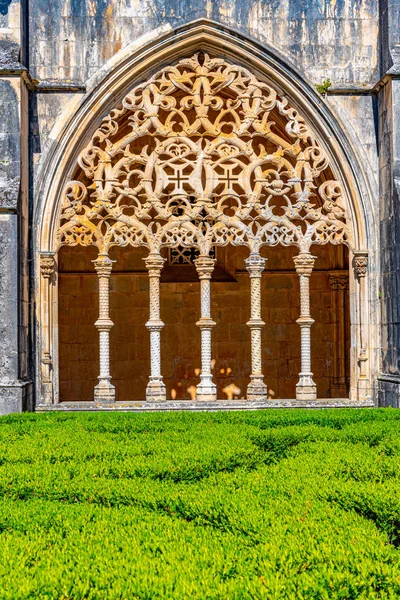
244	505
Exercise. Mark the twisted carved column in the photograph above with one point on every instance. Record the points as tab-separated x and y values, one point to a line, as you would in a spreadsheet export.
206	390
155	390
339	284
47	265
104	390
305	388
256	390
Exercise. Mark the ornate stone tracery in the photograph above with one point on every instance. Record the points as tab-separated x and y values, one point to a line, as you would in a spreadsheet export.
203	154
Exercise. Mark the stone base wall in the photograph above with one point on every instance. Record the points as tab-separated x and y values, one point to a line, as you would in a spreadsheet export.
389	391
15	397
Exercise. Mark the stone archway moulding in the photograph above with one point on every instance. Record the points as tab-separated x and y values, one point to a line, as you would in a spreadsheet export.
138	66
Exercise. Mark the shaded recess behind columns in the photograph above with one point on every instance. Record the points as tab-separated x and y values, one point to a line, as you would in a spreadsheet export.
180	338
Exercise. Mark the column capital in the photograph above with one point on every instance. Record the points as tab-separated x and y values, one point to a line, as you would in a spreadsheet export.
154	263
304	263
103	265
47	264
205	266
360	262
255	264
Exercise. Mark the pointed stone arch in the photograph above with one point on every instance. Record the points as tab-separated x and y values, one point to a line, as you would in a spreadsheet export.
255	84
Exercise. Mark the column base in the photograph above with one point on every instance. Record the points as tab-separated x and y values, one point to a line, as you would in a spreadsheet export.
306	389
206	391
47	392
257	390
156	391
104	392
364	388
200	397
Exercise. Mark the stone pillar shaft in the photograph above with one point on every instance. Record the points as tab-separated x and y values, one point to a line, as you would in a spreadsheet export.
206	390
256	390
104	390
305	388
47	264
361	270
155	390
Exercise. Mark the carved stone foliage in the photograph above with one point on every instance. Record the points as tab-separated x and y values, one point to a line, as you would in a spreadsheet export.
360	263
47	263
203	154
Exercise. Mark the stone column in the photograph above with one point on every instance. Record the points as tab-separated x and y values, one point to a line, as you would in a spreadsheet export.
305	388
155	390
104	390
339	284
256	390
360	267
206	390
47	264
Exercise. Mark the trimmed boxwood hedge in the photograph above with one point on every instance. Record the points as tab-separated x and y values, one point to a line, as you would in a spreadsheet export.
241	505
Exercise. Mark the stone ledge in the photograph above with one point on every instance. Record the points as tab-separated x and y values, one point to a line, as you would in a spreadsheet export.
15	396
390	377
178	405
389	390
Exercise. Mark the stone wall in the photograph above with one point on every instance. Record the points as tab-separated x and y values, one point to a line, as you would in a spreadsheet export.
389	206
15	354
389	108
335	38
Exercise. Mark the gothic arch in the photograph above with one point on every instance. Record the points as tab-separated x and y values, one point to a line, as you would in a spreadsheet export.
205	118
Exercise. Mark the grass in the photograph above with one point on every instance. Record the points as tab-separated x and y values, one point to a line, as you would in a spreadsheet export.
244	505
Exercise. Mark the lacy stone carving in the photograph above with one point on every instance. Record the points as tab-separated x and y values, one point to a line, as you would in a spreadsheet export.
201	155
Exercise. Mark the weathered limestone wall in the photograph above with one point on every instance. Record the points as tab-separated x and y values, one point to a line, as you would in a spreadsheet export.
389	205
180	338
389	112
335	38
15	386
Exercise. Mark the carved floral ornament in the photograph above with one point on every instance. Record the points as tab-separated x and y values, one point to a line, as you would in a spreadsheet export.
47	264
201	155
